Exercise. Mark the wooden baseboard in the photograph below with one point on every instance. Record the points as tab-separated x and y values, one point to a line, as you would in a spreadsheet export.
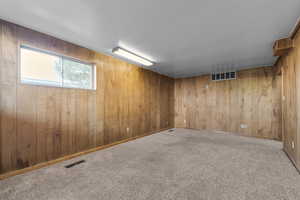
68	157
292	160
233	133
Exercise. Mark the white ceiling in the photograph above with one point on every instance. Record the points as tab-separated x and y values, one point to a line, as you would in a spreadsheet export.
184	37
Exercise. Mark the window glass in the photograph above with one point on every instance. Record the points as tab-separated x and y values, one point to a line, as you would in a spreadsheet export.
40	68
77	74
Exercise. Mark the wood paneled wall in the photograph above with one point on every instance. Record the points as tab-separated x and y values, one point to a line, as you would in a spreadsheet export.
253	100
290	70
39	123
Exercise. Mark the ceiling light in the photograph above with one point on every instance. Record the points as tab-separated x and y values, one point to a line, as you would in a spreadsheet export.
131	56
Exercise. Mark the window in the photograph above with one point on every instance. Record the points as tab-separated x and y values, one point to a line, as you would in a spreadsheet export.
43	68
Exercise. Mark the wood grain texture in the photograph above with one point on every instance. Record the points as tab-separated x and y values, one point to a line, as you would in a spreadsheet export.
40	124
282	46
253	99
70	156
8	100
290	70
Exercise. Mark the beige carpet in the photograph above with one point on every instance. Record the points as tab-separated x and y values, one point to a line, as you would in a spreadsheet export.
183	164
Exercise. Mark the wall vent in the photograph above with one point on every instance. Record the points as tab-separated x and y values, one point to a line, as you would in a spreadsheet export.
223	76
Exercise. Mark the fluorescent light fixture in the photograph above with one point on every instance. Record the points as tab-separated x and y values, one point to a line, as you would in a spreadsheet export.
131	56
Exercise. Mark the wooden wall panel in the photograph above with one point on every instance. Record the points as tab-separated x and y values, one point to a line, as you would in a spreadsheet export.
297	67
253	99
171	103
290	70
8	128
39	124
26	127
8	89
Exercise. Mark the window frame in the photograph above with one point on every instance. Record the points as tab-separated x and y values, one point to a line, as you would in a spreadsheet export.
62	56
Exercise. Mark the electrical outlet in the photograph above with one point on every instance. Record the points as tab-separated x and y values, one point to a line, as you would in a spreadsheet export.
127	129
206	86
244	126
184	121
283	98
293	145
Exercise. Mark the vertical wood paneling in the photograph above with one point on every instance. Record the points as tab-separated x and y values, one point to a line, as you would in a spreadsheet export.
171	103
277	102
68	121
8	54
82	134
48	122
163	120
26	127
8	88
290	70
99	101
91	119
252	100
8	128
297	66
44	123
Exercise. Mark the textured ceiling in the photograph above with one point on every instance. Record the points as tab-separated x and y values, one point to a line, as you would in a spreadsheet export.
184	38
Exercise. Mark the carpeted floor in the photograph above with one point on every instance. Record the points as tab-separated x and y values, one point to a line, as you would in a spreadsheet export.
184	164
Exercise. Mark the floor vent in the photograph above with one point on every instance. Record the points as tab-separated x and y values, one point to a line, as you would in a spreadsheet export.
74	164
170	130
